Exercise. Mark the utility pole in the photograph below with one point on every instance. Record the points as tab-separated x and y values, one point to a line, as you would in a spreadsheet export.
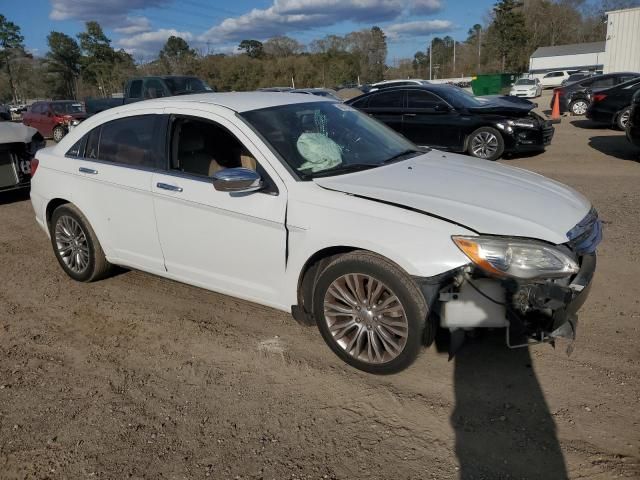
454	58
430	56
479	45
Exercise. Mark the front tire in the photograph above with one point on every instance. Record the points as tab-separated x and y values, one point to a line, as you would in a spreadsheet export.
578	107
76	246
58	133
370	312
623	118
486	143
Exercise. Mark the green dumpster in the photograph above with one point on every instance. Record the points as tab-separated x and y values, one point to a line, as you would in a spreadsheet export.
492	84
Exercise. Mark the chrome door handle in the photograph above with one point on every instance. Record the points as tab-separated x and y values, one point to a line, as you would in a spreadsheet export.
166	186
90	171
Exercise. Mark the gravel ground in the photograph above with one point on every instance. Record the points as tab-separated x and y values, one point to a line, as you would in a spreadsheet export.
141	377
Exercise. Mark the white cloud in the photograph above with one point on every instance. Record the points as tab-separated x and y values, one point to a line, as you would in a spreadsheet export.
417	29
107	12
150	43
425	7
286	16
134	25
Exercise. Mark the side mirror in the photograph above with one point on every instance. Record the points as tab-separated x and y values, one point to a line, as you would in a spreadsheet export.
238	180
442	108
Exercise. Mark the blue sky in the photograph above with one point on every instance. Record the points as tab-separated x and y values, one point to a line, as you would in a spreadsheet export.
142	26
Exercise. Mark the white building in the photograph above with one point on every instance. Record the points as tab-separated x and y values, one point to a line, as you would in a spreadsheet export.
575	56
620	52
623	41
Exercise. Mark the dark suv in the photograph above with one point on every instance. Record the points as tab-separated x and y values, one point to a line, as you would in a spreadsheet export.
574	96
613	105
633	125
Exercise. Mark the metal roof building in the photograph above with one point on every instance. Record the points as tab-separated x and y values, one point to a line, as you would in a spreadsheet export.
623	41
575	56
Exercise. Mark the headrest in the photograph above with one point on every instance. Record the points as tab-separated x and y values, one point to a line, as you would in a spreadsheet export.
191	139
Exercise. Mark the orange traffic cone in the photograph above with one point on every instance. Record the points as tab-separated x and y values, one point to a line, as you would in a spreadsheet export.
555	111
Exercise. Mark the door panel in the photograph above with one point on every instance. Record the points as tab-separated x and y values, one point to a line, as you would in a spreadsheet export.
388	108
120	206
228	242
117	166
430	121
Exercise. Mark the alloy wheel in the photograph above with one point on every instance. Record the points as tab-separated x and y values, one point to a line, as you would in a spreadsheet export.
366	318
484	145
579	108
71	244
58	134
624	118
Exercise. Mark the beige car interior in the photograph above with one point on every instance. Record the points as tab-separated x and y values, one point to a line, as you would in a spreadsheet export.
202	148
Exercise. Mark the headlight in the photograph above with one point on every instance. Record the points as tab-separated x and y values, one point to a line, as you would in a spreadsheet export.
517	258
522	123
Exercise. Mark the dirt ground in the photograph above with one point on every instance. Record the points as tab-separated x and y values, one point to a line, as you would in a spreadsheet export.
140	377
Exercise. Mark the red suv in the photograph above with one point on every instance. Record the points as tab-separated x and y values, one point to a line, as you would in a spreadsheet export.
53	119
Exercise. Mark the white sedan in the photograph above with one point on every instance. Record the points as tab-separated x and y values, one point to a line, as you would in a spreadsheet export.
526	88
308	206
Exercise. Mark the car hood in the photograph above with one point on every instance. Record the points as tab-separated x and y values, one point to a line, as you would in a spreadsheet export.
16	133
486	197
501	105
523	87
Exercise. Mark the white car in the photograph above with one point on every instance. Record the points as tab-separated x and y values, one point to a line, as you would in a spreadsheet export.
526	88
396	83
555	79
306	205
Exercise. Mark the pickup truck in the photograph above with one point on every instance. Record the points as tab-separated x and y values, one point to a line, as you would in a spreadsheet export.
143	88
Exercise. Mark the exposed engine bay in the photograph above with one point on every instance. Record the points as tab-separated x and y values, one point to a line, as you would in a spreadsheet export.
18	146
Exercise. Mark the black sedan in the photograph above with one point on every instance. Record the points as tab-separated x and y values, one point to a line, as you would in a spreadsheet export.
574	96
613	105
633	125
449	118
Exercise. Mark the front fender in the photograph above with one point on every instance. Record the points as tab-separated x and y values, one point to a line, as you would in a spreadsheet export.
420	244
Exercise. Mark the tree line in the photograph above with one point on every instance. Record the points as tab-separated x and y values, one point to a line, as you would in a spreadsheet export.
88	65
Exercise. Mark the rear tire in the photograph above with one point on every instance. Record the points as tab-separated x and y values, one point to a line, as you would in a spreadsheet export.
623	118
370	312
486	143
578	107
76	246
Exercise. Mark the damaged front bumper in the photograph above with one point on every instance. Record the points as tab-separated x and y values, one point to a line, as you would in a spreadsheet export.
531	312
546	311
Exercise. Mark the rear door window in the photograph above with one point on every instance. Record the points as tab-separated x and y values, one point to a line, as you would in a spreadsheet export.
393	99
362	103
134	141
603	82
135	91
153	88
420	99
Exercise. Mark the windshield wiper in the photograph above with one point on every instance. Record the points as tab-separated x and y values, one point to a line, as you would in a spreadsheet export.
401	155
353	167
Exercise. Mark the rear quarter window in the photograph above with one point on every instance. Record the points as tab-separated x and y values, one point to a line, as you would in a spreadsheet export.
360	103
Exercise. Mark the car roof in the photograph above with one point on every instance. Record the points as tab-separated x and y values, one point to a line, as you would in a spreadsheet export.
385	82
236	101
432	87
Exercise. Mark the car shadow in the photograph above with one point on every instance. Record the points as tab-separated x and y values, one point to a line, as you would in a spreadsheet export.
616	146
589	125
516	155
14	196
502	423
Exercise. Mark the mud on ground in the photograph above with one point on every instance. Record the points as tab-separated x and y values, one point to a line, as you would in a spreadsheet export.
140	377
